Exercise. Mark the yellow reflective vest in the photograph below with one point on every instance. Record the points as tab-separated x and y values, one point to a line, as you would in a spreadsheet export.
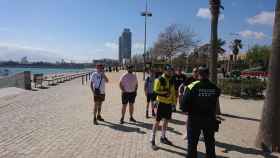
163	89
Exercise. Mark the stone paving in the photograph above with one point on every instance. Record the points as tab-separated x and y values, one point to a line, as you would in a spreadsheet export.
57	123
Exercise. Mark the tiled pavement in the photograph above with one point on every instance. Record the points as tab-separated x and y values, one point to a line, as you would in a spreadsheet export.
57	123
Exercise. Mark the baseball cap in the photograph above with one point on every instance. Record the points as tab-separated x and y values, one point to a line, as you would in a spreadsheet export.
168	67
99	66
203	70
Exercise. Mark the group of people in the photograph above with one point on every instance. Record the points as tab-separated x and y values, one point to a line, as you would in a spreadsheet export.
128	85
196	96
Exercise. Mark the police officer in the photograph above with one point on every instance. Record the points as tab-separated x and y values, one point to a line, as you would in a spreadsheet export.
200	102
166	97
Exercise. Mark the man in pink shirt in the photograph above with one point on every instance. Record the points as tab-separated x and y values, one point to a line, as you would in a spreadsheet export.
128	86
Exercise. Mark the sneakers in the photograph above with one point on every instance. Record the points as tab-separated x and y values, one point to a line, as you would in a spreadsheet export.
164	140
132	119
121	121
153	113
173	108
153	145
99	118
95	121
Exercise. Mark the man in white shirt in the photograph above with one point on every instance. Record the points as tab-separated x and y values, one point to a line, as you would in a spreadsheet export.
128	86
97	85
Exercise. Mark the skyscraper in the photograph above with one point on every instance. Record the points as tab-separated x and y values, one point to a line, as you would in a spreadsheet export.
125	45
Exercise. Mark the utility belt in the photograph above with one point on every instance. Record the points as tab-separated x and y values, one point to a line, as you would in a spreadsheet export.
210	122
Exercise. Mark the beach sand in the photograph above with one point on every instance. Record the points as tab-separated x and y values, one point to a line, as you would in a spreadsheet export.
57	123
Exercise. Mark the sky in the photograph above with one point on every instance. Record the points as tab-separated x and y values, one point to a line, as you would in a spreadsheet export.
82	30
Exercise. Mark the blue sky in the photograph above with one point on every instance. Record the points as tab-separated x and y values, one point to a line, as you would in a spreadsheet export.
86	29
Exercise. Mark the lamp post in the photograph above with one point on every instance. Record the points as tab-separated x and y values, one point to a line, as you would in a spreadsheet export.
146	14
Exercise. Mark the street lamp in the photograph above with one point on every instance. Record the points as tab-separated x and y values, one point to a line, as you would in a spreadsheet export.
146	14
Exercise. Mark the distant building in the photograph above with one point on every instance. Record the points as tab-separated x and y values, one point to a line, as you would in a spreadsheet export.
229	56
24	60
106	62
125	46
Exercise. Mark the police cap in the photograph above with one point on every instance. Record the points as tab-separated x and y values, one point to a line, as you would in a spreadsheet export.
202	70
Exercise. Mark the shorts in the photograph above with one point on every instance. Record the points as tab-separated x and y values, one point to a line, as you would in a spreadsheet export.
99	98
164	111
128	98
151	97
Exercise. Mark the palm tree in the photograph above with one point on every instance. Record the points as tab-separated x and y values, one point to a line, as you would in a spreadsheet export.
235	46
215	6
269	130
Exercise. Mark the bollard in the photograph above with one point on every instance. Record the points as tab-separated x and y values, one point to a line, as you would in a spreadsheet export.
27	80
82	79
86	77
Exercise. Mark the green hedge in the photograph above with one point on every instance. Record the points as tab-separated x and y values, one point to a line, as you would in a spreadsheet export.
242	87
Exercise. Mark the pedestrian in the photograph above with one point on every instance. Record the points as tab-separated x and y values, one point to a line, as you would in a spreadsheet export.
183	87
180	78
158	72
149	92
165	91
97	85
200	102
128	85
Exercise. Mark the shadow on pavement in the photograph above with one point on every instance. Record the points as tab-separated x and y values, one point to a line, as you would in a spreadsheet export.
44	87
240	117
183	154
150	126
172	151
177	122
244	150
122	128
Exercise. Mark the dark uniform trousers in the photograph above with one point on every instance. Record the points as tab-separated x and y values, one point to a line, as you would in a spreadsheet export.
195	125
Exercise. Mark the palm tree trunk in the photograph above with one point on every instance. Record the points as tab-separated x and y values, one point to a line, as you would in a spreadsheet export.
269	130
215	11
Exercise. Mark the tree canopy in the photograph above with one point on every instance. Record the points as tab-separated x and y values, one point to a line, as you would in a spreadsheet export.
259	56
173	40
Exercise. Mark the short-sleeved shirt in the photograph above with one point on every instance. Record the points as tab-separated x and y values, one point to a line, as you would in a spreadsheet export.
98	82
129	82
149	84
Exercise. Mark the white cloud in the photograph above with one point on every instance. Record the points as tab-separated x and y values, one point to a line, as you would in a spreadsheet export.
252	34
206	14
263	18
112	45
16	52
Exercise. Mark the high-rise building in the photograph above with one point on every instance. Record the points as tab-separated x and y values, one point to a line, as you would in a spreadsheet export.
125	45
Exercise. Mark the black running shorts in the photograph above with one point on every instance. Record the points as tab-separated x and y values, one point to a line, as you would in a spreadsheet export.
164	111
128	98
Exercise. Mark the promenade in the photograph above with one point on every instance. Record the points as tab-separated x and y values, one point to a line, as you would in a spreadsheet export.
57	123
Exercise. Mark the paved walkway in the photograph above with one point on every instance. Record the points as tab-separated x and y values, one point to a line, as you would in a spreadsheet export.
57	123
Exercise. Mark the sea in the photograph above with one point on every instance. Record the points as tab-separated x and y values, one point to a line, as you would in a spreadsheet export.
8	71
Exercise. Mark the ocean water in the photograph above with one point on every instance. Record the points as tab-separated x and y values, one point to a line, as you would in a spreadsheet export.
44	71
